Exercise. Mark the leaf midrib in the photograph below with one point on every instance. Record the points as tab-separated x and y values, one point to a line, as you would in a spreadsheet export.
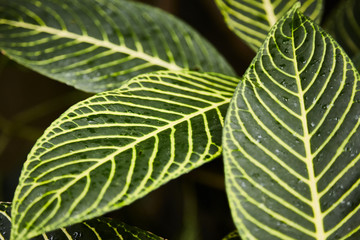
315	197
272	19
94	41
121	149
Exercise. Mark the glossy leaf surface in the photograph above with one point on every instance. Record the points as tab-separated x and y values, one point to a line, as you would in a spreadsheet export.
291	139
251	20
95	45
96	229
117	146
344	26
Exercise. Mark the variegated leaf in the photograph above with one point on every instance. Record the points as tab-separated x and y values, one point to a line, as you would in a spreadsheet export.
292	137
96	45
96	229
115	147
251	20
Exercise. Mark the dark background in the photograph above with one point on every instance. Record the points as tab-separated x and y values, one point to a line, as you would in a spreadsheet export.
191	207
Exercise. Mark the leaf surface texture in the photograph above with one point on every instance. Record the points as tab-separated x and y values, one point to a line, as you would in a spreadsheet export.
96	45
251	20
96	229
115	147
291	139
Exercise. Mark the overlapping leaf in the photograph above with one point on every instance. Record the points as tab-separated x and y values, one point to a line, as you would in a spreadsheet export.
291	139
97	229
251	20
95	45
344	26
117	146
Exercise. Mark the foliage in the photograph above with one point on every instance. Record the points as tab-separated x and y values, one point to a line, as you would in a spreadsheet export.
290	134
291	137
119	145
99	228
252	20
81	43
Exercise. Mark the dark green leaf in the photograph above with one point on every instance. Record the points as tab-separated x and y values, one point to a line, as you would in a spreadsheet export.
95	45
96	229
5	220
251	20
115	147
291	139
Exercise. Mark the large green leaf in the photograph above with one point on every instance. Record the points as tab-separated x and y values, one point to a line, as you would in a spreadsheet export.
96	229
291	139
117	146
344	26
95	45
251	20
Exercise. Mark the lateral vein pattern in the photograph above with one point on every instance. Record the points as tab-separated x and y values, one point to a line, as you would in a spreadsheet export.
99	228
117	146
251	20
96	45
291	138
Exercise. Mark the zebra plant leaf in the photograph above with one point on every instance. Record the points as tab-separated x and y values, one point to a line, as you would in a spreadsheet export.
100	228
344	26
95	45
251	20
291	138
113	148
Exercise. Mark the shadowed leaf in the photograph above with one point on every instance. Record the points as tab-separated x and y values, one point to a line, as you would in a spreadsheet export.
95	45
251	20
96	229
344	26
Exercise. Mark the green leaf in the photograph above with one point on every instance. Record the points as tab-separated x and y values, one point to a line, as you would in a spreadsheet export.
344	26
95	45
115	147
5	220
291	138
251	20
100	228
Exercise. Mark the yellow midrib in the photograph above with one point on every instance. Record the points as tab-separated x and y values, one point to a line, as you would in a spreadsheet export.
315	196
94	41
123	148
271	17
